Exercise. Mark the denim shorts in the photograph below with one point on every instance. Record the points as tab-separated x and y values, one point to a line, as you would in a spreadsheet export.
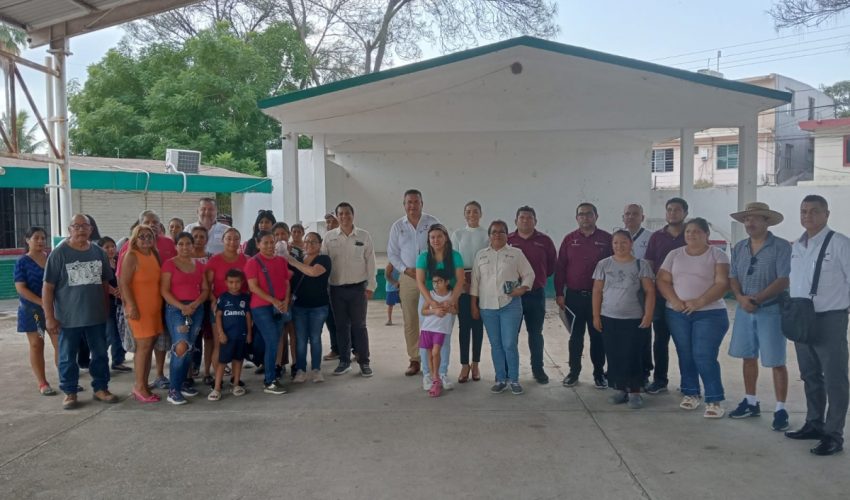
759	335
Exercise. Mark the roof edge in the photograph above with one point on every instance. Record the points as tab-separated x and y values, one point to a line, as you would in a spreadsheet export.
527	41
812	125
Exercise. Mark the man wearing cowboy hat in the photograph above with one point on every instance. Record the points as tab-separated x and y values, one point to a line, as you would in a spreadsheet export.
760	268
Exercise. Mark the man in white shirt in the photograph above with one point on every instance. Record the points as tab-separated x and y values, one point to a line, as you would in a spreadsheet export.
207	214
408	238
352	283
633	223
823	362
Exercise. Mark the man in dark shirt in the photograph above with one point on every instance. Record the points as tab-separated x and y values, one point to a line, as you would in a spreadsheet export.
580	251
662	242
539	249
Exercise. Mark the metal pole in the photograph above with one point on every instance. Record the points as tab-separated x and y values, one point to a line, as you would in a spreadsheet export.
53	196
61	51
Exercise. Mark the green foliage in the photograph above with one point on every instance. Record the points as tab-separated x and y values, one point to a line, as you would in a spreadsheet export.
28	140
840	92
201	95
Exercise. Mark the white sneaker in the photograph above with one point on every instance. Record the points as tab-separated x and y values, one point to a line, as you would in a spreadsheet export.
426	382
317	377
447	385
300	377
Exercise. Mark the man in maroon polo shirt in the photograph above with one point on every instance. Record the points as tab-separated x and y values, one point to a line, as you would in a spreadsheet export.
662	242
580	251
540	252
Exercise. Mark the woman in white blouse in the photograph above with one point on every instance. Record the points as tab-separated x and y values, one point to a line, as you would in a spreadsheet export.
501	274
469	241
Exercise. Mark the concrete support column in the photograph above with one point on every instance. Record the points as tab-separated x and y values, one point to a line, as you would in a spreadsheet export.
747	170
319	191
61	50
291	213
686	166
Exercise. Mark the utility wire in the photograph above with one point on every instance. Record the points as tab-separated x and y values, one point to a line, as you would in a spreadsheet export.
726	57
749	43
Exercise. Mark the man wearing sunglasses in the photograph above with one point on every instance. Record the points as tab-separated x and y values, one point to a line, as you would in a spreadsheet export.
760	268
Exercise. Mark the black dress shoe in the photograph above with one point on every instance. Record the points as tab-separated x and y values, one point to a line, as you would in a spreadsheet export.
827	446
807	432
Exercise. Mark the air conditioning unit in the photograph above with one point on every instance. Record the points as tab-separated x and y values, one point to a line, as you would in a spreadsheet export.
703	153
184	160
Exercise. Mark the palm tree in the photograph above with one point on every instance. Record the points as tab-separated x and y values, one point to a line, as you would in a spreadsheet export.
28	139
11	40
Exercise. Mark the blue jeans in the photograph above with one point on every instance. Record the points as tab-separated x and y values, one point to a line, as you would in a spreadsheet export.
113	338
176	324
309	322
69	345
270	329
502	327
697	337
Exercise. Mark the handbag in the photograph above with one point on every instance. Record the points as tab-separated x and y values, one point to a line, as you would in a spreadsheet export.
798	313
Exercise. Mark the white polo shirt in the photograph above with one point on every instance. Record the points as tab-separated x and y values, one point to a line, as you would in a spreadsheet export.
214	240
834	286
407	242
640	242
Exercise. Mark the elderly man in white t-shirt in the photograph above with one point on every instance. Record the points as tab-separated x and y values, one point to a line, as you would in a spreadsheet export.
207	213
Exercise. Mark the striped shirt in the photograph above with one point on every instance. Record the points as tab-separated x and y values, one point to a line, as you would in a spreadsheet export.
755	273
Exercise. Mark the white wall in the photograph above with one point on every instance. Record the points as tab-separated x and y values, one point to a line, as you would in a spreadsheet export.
309	212
115	211
715	205
829	156
550	173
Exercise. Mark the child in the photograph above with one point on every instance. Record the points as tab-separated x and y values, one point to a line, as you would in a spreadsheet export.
233	324
391	276
437	323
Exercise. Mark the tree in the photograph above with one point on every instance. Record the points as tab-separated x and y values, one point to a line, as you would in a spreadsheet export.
11	40
789	13
200	95
840	92
28	139
349	37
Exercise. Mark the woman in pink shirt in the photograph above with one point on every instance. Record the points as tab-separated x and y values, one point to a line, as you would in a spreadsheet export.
693	280
184	288
268	280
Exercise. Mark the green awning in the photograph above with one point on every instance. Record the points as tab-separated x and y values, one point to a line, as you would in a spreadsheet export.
103	180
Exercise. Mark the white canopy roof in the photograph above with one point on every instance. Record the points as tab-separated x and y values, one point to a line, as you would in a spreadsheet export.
522	85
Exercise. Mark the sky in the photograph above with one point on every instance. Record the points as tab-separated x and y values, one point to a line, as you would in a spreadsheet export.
650	30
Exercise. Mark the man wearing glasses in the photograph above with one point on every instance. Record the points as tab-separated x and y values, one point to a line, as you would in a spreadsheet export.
352	283
208	218
580	251
75	296
760	268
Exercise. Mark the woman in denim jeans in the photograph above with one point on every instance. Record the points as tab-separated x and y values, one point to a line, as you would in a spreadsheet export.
184	288
693	280
500	276
310	306
268	281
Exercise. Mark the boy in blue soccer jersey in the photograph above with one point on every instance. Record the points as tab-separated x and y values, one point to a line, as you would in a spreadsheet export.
233	328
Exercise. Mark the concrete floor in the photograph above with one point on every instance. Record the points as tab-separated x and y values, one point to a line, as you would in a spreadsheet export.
384	438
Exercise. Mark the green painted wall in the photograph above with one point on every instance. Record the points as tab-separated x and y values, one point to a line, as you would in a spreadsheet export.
7	279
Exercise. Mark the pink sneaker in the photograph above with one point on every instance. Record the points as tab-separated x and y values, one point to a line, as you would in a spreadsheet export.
436	388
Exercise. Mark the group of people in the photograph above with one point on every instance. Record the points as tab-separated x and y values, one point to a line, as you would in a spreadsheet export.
268	299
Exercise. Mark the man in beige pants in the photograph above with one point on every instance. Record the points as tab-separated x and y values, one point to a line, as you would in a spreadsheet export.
408	238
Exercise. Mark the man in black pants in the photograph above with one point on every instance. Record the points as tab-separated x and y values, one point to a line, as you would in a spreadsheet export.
662	242
352	283
580	251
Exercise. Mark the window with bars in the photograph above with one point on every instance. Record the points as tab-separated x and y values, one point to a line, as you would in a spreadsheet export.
21	209
727	156
662	160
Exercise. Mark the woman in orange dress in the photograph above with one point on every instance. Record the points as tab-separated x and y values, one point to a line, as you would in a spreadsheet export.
139	282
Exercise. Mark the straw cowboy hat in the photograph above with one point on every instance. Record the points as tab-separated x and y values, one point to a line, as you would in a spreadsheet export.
758	208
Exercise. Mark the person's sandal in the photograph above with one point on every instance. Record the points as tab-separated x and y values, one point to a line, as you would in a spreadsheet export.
714	410
214	395
238	390
46	390
464	375
690	403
